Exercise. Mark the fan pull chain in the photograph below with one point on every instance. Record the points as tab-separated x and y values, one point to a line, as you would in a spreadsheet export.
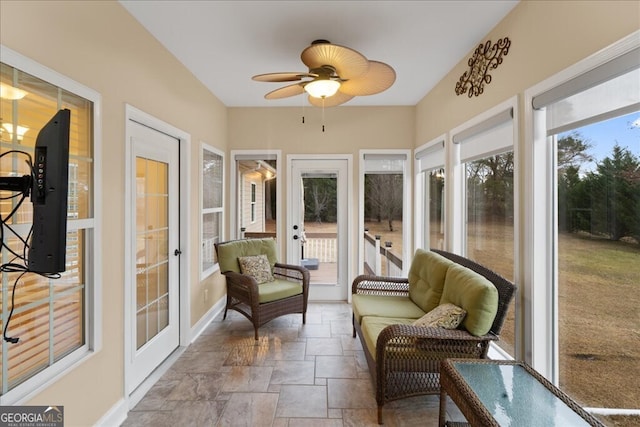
302	109
323	114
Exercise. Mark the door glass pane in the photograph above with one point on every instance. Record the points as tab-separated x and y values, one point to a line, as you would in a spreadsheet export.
320	228
598	172
490	234
152	252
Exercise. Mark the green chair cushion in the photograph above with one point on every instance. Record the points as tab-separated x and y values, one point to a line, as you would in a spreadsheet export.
426	278
229	252
475	294
373	325
384	306
277	290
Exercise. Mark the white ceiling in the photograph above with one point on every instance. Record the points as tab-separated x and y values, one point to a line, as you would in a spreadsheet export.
224	43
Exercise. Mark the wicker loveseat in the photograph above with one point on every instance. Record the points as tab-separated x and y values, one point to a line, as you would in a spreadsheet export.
404	359
286	291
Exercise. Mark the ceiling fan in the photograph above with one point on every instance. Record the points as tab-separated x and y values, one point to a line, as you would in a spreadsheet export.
336	74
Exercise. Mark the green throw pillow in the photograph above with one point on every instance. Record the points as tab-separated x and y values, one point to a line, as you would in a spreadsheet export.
256	266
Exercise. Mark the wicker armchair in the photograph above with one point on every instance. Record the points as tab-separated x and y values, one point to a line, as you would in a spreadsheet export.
407	359
288	293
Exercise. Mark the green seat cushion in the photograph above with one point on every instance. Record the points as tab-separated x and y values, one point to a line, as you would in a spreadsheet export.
384	306
373	325
229	252
475	294
426	278
278	289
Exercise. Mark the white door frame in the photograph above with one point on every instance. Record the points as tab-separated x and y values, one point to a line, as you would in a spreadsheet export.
133	114
349	259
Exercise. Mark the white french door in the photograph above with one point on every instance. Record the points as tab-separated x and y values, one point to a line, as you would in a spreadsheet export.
318	221
153	279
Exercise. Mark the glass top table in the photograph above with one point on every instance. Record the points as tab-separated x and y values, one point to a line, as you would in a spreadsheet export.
507	393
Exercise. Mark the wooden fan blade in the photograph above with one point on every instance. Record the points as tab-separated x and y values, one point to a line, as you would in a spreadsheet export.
332	101
378	78
282	77
348	63
286	91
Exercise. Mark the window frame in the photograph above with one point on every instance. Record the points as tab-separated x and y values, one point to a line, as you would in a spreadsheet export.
235	190
421	209
407	181
540	213
456	204
206	272
92	227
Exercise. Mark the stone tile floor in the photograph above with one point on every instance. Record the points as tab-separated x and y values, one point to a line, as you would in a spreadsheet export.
295	375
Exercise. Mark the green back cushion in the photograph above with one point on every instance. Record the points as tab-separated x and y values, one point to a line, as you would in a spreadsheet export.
426	278
475	294
229	252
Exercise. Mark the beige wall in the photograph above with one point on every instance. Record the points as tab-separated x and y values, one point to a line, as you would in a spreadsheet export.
546	37
98	44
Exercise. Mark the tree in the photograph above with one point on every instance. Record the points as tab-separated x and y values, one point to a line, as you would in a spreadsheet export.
572	151
615	195
574	207
383	197
320	199
574	213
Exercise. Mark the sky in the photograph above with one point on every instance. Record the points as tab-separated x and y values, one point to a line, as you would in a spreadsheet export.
625	130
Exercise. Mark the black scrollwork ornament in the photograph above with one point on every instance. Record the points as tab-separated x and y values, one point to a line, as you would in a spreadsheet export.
486	57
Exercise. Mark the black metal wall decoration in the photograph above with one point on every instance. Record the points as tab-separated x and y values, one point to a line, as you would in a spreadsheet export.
486	57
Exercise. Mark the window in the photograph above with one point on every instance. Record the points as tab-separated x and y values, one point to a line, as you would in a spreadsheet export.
53	318
430	213
253	202
254	182
212	207
486	156
386	189
585	129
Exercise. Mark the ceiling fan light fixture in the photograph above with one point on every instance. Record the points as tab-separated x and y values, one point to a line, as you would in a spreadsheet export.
11	93
322	88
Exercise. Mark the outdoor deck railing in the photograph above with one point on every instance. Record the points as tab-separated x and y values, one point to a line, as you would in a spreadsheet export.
322	246
379	260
